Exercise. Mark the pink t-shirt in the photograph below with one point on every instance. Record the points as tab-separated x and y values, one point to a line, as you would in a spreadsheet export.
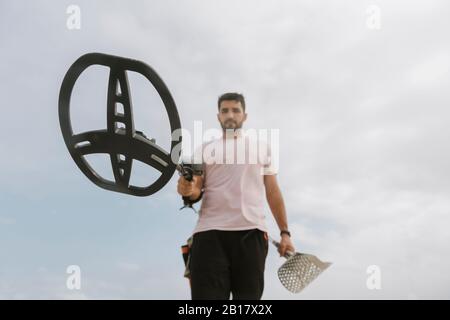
234	191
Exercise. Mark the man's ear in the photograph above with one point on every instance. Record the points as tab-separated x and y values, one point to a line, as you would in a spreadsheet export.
245	116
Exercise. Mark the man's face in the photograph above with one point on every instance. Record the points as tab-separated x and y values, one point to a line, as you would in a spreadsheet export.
231	115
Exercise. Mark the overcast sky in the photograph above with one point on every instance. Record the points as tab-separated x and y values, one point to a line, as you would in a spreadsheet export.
362	109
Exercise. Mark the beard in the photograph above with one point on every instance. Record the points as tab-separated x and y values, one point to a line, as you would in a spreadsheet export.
231	125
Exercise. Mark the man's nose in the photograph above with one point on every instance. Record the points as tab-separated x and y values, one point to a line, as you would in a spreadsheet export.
229	115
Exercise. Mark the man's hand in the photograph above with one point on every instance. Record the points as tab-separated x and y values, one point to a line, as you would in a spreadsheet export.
184	187
285	245
190	188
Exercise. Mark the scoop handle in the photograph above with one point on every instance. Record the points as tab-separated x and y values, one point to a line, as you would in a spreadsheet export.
288	253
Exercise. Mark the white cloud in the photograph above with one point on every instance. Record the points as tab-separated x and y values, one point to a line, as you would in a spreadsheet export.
127	266
7	220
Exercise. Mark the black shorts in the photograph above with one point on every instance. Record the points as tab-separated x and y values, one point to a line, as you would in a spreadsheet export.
228	262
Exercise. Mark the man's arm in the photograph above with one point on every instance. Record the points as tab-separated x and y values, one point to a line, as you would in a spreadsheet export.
276	204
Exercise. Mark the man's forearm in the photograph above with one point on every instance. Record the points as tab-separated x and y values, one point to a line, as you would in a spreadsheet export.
276	204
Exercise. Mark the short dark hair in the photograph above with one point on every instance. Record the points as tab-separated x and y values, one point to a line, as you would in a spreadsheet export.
232	96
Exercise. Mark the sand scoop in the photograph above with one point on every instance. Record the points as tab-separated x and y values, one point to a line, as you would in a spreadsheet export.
299	270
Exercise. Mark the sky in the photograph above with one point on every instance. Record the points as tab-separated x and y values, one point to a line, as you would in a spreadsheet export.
357	90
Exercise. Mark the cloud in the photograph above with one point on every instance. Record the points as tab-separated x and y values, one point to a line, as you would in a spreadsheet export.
7	221
363	125
127	266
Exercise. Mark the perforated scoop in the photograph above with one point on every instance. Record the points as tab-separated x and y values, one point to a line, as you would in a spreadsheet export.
299	270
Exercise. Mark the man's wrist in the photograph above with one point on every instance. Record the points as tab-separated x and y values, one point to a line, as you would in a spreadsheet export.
285	232
194	198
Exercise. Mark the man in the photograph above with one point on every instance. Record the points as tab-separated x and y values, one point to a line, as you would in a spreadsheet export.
230	240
